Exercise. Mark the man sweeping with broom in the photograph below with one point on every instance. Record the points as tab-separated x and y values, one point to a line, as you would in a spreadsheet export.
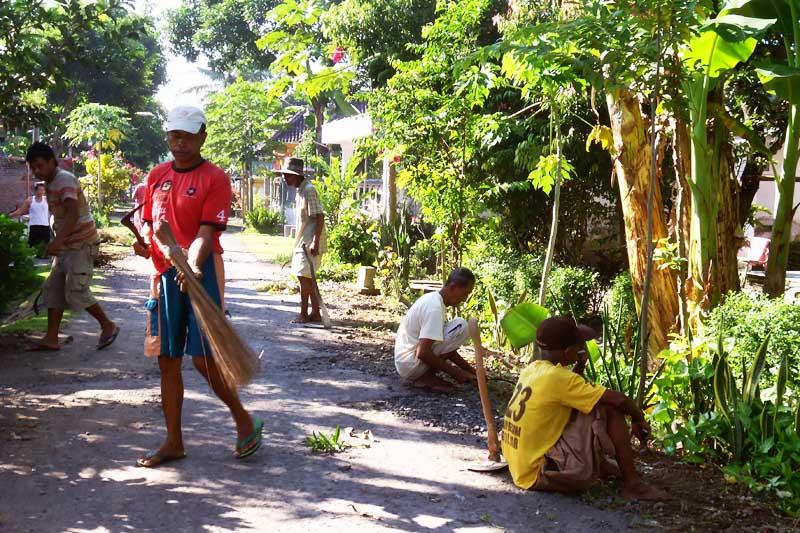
193	196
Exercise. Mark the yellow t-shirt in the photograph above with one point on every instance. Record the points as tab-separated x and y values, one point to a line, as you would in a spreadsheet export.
537	414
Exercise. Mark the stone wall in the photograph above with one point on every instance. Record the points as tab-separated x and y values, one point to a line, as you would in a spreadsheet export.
12	183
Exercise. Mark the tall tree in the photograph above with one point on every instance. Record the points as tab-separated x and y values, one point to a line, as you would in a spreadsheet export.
374	34
303	67
102	127
225	32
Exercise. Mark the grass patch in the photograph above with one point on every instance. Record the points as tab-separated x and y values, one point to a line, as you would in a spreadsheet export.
270	248
279	287
35	324
117	234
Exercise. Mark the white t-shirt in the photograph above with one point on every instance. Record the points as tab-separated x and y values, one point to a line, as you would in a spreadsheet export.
425	320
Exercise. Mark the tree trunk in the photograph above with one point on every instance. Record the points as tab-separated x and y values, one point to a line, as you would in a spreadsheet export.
782	228
551	243
632	167
729	233
681	153
99	178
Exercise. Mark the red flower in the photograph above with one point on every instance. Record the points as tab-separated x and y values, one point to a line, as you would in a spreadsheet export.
338	55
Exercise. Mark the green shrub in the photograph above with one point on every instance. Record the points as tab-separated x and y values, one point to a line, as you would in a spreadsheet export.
573	290
706	411
265	220
353	240
334	271
747	319
424	255
507	274
619	301
17	273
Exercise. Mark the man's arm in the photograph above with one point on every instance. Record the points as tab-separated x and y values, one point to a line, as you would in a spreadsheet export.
66	228
426	355
143	251
616	400
315	244
199	251
24	209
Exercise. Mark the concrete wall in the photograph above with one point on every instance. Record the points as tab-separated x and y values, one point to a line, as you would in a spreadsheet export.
12	184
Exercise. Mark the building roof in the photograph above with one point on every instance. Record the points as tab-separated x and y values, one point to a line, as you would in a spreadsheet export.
293	131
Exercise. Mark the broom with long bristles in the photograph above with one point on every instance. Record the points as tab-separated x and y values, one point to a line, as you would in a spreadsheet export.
237	363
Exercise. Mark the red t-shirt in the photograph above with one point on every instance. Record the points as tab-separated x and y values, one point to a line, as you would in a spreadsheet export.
187	199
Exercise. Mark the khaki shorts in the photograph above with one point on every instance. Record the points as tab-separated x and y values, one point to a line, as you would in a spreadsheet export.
582	455
301	267
69	284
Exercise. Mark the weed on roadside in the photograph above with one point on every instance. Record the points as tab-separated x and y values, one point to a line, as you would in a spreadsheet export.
322	443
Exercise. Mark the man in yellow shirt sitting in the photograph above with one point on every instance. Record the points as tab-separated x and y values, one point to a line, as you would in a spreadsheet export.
561	433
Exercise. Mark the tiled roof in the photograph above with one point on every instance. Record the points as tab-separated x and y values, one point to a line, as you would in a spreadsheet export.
293	131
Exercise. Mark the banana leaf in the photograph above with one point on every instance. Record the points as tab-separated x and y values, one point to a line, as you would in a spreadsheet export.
521	321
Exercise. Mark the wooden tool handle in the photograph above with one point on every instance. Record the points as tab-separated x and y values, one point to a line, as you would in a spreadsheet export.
127	221
492	441
171	249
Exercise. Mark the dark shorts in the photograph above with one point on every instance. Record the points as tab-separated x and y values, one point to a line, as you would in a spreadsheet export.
38	235
179	330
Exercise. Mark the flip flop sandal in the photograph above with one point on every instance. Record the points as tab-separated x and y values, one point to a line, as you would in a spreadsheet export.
108	340
253	440
156	458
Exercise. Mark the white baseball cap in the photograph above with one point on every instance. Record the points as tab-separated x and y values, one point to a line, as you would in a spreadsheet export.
185	118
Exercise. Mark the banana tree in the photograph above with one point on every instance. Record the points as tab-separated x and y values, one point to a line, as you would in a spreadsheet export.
720	45
783	81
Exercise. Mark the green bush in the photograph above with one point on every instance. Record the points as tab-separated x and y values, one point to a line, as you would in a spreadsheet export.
17	273
265	220
747	319
705	411
507	274
424	255
353	240
619	301
573	290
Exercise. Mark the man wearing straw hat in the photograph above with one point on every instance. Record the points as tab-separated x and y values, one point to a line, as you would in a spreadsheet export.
193	196
310	233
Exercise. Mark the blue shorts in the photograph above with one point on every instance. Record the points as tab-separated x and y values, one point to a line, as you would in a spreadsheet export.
180	332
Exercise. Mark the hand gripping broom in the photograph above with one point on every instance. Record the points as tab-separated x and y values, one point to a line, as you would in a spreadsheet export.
237	363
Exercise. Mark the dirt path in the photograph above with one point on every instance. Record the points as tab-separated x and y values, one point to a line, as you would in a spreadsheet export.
72	424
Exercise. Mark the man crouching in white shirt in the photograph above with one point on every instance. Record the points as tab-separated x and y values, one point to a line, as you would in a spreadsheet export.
427	344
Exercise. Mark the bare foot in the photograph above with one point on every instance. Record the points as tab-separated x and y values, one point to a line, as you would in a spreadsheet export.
642	491
300	319
432	384
314	317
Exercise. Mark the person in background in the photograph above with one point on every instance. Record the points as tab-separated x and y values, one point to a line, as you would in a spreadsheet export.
38	217
427	343
74	250
310	233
